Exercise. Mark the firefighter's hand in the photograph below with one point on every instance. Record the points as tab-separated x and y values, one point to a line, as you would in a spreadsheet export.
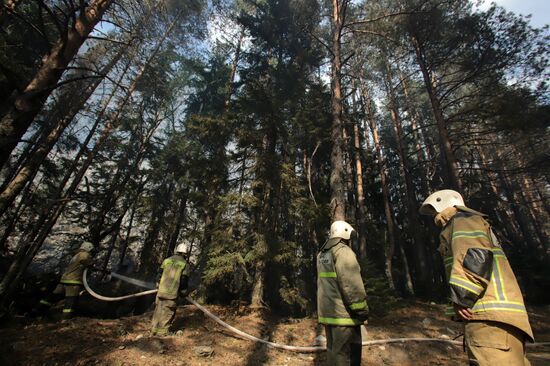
463	312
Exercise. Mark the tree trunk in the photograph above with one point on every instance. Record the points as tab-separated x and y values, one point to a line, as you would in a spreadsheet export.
452	177
422	266
350	190
114	236
31	165
180	218
528	198
118	184
521	217
124	245
149	257
230	86
392	242
361	207
28	103
266	216
258	287
422	155
338	198
10	224
31	245
507	220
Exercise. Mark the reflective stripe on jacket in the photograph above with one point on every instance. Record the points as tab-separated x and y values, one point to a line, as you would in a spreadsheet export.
73	272
341	297
479	274
174	268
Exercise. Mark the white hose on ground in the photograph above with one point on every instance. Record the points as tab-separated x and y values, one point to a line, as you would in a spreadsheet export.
312	348
273	344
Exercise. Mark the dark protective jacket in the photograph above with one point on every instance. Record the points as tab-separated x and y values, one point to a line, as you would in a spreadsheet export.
73	272
174	275
480	277
341	296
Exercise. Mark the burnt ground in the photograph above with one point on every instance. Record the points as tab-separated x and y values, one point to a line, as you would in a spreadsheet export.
126	340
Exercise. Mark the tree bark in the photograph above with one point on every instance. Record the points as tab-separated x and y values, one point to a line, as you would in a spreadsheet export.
361	207
126	241
258	287
234	65
338	198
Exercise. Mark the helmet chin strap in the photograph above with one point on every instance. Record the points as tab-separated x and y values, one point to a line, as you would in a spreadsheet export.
442	218
439	220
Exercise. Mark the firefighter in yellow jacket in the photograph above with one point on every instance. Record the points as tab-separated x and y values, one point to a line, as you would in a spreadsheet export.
175	276
483	289
70	284
341	298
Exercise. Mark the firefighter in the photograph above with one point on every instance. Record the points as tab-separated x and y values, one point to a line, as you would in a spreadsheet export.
483	289
174	280
70	284
341	298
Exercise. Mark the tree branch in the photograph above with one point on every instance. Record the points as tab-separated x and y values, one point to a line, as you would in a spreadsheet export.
374	33
109	40
368	21
321	42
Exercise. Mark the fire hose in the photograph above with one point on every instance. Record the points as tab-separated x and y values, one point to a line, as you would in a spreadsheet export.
249	336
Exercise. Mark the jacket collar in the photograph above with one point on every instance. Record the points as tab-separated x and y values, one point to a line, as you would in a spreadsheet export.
330	243
469	210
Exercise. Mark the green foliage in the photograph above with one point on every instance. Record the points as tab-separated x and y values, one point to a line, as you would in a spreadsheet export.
292	297
518	110
226	276
380	298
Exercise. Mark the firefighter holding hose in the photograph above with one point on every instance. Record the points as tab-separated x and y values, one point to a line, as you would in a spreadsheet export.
173	282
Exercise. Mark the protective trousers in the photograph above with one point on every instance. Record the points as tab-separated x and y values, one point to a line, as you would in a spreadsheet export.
493	343
165	311
343	345
70	292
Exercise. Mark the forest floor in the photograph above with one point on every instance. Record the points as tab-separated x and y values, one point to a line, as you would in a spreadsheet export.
126	341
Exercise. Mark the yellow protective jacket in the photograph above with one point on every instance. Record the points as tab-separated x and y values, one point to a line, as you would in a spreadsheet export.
480	277
174	268
73	272
341	297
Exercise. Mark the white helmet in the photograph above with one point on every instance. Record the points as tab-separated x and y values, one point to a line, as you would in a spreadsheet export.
440	200
87	246
340	229
181	248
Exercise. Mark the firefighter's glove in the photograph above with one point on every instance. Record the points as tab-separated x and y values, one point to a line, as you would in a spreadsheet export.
362	314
